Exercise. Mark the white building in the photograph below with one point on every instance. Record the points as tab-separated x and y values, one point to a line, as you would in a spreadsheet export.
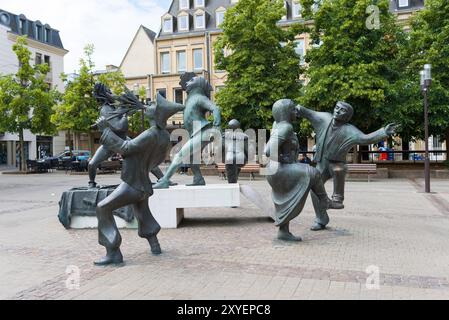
45	45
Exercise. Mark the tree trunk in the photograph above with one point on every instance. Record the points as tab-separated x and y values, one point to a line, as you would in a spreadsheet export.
22	166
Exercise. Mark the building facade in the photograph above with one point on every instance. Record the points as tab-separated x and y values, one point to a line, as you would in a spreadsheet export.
46	46
139	61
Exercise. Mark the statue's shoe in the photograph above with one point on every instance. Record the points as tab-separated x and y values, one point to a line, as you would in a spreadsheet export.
336	205
287	236
114	257
318	227
162	184
92	185
201	182
155	246
172	184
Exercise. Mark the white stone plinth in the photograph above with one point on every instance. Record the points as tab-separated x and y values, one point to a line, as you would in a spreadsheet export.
79	222
167	205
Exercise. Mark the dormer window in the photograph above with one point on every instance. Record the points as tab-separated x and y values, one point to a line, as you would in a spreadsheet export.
47	35
296	9
183	21
184	4
22	26
38	31
200	20
219	16
5	19
167	24
199	3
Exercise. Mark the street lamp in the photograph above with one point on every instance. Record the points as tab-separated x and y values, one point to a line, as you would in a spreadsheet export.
426	81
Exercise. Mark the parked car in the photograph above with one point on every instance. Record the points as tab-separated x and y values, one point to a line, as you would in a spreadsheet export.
75	155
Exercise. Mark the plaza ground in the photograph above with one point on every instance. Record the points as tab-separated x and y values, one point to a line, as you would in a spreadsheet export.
226	253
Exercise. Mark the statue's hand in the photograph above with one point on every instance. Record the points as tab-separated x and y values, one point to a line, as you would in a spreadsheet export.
102	124
298	109
391	129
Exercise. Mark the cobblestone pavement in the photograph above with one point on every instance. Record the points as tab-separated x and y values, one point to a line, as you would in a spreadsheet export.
228	253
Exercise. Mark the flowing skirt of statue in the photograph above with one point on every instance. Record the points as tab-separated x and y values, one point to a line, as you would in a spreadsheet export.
290	185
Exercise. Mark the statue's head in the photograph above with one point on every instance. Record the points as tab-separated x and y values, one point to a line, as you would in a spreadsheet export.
234	124
102	93
161	110
199	82
343	112
284	110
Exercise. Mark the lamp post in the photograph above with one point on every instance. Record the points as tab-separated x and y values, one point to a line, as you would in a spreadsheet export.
426	81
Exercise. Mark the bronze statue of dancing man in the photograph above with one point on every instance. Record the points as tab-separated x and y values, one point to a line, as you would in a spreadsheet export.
335	137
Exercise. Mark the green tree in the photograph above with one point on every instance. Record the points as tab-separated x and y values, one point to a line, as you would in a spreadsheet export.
26	99
354	54
79	109
428	43
259	57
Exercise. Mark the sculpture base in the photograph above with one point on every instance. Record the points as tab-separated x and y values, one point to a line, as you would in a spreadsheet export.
167	205
77	206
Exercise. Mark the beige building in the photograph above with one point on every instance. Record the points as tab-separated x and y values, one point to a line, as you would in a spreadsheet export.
138	64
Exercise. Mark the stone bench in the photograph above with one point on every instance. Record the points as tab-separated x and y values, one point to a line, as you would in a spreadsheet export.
167	205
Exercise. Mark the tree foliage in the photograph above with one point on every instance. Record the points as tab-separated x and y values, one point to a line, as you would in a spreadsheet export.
259	57
353	59
78	109
428	42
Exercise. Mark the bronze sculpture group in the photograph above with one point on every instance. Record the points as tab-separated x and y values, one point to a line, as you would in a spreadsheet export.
290	180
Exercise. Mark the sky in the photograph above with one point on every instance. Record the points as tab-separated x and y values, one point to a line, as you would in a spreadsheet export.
110	25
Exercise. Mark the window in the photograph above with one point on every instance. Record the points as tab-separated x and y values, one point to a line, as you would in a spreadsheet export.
200	21
220	17
167	24
181	61
38	59
300	50
183	23
199	3
285	10
22	26
403	3
47	35
47	60
184	4
316	6
38	32
436	143
165	62
179	95
198	59
296	9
